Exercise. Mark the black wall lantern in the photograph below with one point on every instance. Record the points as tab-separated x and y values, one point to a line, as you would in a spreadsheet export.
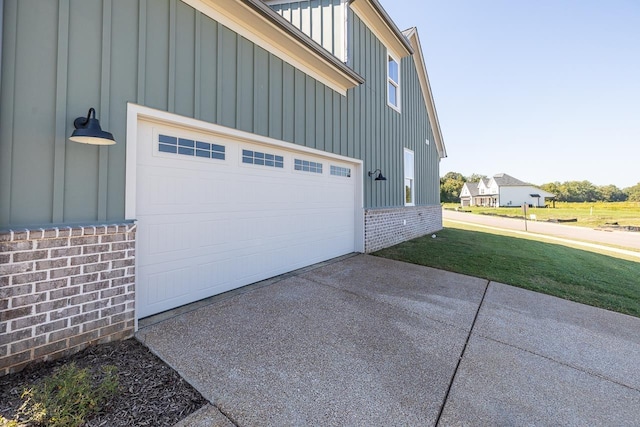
88	131
379	177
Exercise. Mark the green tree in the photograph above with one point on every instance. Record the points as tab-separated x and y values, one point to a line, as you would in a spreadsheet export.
450	186
579	191
556	188
475	177
633	193
611	193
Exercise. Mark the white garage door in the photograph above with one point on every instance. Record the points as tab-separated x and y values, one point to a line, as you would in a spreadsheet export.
215	214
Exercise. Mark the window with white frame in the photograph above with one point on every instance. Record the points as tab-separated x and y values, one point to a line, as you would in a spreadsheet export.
340	171
307	166
263	159
409	181
393	82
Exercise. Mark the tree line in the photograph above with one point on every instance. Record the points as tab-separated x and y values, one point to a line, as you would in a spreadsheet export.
569	191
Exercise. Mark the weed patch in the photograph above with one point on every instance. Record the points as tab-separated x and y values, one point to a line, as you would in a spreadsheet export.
68	397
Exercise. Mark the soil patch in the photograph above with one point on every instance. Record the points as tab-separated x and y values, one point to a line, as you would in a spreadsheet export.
150	392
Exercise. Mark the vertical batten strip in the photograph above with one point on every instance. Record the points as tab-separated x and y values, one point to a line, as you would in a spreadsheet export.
1	22
6	124
171	88
197	84
142	49
105	90
60	135
334	43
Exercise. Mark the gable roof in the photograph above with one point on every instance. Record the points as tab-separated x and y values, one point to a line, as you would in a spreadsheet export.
379	22
412	36
472	187
255	21
504	180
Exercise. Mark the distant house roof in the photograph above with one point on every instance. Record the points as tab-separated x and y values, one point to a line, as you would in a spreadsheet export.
473	188
504	180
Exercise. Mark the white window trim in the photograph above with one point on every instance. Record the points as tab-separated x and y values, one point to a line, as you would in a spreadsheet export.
397	84
413	178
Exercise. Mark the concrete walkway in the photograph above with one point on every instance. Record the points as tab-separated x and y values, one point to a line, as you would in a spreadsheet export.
370	341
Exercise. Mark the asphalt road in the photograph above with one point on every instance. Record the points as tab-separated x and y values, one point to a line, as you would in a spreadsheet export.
625	239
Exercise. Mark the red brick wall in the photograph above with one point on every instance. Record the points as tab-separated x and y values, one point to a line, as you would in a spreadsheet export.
62	289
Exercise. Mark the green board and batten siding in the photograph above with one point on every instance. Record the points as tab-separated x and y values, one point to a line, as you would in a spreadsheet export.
380	133
322	20
62	57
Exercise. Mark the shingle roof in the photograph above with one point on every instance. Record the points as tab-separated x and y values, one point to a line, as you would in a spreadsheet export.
504	180
473	188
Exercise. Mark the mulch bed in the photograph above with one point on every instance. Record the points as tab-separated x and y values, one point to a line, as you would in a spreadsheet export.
151	393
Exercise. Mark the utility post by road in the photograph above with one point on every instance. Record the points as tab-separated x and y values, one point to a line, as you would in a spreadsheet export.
524	213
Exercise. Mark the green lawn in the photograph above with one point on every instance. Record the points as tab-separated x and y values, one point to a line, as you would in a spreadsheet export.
574	274
594	214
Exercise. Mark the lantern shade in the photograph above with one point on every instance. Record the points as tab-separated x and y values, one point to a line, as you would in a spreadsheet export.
378	175
88	131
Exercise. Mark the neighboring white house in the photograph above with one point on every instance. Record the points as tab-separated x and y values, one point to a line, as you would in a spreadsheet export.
503	190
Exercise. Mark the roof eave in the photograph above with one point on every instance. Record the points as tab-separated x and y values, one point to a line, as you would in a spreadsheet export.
413	38
379	22
258	23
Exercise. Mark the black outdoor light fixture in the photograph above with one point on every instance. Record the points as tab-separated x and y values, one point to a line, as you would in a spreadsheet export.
379	177
88	131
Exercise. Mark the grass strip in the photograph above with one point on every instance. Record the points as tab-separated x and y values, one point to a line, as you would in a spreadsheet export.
592	215
617	251
578	275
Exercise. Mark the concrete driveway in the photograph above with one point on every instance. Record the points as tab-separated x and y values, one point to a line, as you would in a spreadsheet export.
370	341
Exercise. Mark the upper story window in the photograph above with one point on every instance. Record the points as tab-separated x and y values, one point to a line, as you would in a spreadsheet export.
393	82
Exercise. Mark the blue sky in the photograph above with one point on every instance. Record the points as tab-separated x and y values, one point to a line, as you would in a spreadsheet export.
545	90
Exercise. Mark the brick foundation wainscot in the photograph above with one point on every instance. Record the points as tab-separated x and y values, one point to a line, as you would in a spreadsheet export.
62	289
388	227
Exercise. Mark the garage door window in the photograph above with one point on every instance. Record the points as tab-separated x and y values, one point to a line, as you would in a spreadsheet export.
307	166
263	159
190	147
340	171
